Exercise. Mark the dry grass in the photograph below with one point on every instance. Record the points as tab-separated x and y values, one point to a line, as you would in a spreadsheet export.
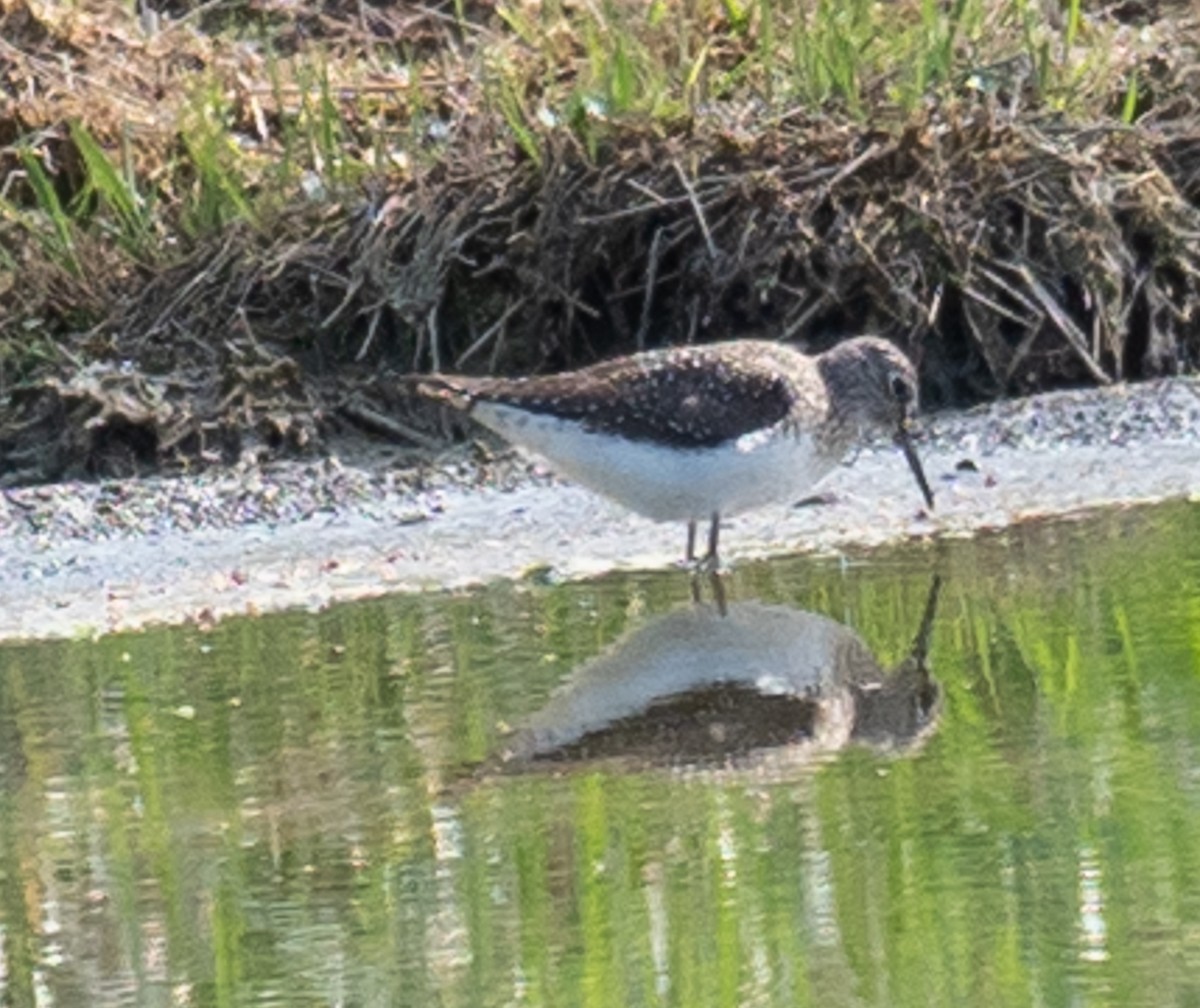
224	230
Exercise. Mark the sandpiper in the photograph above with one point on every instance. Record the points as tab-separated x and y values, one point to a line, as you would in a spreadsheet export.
701	432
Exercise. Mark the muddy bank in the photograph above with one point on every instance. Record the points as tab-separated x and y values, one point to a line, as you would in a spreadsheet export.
78	559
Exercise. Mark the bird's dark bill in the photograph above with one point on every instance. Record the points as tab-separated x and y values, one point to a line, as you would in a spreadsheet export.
914	463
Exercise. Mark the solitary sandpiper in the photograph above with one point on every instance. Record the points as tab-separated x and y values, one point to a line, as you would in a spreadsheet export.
701	432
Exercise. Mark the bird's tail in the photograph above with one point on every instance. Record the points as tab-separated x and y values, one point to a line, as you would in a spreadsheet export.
453	390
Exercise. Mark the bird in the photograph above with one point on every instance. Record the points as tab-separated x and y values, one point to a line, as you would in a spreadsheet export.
701	432
754	686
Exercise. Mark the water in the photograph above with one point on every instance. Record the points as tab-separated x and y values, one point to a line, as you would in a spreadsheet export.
415	801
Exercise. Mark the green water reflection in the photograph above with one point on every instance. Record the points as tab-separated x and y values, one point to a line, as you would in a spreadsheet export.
343	808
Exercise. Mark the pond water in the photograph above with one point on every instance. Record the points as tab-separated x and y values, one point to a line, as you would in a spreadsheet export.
960	774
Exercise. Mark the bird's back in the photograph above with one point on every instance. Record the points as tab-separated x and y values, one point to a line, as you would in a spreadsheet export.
685	397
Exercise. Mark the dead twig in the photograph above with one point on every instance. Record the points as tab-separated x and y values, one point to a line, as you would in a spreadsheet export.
1066	325
870	154
370	337
648	299
488	333
371	419
698	210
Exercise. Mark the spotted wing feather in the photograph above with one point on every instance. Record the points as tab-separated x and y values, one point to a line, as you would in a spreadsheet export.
689	397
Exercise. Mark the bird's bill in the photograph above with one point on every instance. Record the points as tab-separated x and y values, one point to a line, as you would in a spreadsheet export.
904	440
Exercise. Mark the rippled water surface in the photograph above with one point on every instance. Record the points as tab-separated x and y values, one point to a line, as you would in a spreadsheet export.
967	774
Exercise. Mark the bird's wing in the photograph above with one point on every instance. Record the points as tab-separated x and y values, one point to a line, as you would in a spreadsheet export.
689	397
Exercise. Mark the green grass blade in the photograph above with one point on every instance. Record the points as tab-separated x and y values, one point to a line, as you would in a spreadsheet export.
1130	106
62	246
1074	18
116	191
514	115
622	86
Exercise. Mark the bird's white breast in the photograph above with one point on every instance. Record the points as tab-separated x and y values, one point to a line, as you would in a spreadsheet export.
665	482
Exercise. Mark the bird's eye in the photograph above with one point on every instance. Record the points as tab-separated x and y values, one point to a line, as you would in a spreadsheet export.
901	389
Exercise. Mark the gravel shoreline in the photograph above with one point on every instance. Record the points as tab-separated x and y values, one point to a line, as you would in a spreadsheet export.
99	557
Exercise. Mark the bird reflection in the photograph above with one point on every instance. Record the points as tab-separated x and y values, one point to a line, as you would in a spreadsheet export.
736	684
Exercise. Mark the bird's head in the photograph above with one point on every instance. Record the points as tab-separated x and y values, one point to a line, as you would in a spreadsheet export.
876	385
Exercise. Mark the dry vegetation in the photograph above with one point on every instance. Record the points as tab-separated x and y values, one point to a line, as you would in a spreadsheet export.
225	226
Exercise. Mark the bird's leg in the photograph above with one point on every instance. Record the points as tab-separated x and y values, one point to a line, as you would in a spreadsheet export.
718	590
710	561
714	533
